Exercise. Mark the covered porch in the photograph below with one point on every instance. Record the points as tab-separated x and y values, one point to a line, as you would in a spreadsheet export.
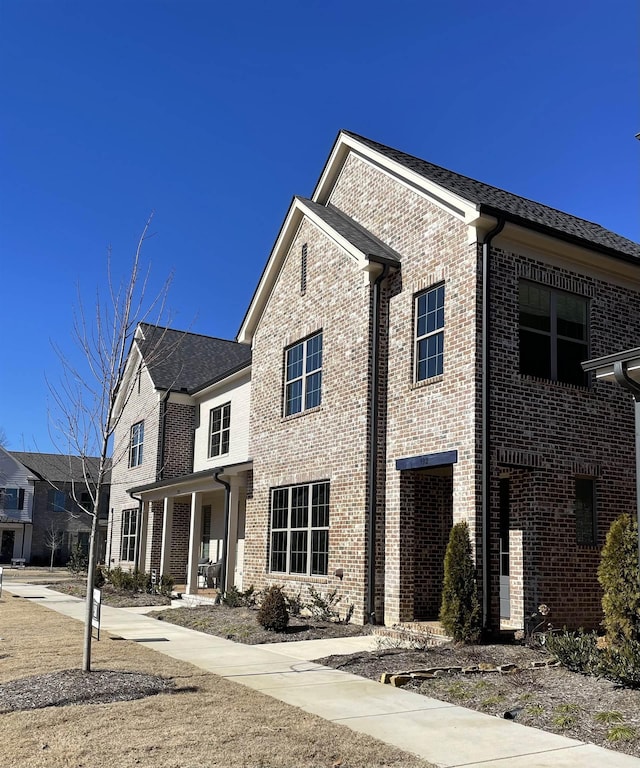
191	528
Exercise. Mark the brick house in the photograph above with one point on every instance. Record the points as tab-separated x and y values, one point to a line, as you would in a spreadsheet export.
41	496
417	338
180	456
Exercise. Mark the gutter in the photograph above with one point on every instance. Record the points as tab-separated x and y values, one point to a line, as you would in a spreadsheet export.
163	432
486	422
227	494
372	478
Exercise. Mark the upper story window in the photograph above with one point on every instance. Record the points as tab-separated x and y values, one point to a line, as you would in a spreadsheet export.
219	429
300	529
429	339
56	500
303	375
136	443
11	498
554	337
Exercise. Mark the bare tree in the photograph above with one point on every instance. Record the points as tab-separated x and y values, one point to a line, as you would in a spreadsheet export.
85	399
3	438
53	540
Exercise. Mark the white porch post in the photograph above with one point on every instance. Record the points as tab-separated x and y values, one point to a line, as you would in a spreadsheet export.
195	534
144	532
167	529
232	542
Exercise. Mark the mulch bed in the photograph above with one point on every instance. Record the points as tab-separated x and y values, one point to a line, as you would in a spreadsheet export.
110	596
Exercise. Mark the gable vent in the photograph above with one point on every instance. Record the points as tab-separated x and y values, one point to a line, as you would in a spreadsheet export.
303	269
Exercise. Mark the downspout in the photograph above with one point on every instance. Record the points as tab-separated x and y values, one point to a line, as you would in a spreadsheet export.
486	422
373	450
227	494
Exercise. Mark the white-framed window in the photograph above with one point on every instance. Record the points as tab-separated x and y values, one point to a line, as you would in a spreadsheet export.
300	529
129	530
429	333
303	375
554	333
219	429
136	443
585	509
56	500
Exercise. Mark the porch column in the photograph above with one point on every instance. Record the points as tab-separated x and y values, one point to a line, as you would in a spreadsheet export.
232	541
144	532
195	535
167	529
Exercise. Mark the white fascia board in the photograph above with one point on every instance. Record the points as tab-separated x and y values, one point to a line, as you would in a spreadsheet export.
295	215
454	204
134	359
201	394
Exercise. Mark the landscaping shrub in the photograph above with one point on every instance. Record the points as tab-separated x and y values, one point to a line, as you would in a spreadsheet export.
460	608
273	614
99	580
322	607
165	587
236	598
618	576
78	560
621	663
577	651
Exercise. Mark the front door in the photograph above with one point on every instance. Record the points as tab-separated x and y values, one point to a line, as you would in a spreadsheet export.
6	546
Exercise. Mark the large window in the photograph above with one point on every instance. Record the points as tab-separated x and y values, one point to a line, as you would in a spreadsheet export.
429	350
303	375
56	500
585	509
128	534
219	428
553	333
135	448
300	529
11	498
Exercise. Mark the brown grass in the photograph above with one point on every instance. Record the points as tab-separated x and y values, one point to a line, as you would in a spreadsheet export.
220	724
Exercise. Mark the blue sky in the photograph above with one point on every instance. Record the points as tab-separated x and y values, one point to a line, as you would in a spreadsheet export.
214	114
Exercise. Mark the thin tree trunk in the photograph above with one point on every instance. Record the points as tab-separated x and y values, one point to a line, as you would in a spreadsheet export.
91	573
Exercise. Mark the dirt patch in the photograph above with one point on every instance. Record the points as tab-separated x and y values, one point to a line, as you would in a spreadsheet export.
241	625
550	698
211	722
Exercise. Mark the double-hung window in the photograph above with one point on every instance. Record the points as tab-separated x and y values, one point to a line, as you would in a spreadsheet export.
303	375
219	430
429	334
300	529
128	534
554	337
11	499
136	443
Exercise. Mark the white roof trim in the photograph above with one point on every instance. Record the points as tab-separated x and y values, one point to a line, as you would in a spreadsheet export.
454	204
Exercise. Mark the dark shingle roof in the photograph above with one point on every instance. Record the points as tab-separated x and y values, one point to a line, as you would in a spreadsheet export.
55	467
519	209
352	231
184	362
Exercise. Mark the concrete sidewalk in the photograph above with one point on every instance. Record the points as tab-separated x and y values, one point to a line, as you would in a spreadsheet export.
441	733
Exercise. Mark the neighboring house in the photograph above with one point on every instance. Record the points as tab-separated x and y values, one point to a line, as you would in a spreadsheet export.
180	459
416	346
39	502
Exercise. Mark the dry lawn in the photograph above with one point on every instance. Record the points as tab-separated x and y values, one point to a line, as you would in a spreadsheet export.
220	723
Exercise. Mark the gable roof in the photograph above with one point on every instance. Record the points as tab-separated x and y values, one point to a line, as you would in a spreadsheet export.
55	467
493	200
181	361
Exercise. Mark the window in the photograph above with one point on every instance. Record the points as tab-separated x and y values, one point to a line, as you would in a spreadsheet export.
553	334
135	449
429	333
585	509
128	534
11	498
205	541
300	529
56	500
303	372
219	424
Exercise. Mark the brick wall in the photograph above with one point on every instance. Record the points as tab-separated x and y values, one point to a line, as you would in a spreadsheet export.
178	441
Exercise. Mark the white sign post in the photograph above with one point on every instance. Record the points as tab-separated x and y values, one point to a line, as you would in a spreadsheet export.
95	617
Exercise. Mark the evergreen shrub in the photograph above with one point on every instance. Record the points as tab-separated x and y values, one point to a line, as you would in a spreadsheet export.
460	608
273	614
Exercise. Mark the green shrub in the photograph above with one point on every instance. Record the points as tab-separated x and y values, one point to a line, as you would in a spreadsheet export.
78	560
165	587
618	576
273	614
577	651
295	604
121	580
621	663
99	579
460	609
236	598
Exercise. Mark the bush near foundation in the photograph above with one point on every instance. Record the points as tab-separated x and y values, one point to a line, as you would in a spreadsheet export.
618	577
273	614
460	608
